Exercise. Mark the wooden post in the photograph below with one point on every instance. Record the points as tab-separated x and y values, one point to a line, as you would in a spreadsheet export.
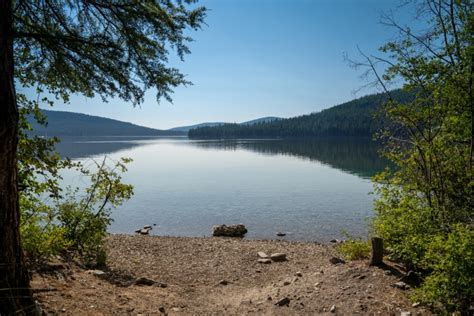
377	251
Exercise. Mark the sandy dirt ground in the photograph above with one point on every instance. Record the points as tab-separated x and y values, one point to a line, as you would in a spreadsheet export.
220	276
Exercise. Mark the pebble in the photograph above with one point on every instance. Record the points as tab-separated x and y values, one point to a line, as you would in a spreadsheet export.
278	256
335	260
223	282
283	301
96	272
286	283
405	314
162	309
264	261
262	255
299	274
401	285
144	281
333	309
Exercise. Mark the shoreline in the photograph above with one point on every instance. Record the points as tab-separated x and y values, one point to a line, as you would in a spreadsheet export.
216	275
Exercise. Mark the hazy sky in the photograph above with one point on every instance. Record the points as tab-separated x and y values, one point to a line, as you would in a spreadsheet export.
260	58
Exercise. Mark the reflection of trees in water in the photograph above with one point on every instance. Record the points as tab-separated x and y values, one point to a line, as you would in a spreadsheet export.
81	147
353	155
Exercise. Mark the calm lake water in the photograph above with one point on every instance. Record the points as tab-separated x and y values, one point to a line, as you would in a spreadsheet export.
314	190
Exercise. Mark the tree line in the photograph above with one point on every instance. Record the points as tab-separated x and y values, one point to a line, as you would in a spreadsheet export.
361	117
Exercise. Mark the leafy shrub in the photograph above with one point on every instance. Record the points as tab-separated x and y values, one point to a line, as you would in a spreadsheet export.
354	249
40	238
76	222
451	262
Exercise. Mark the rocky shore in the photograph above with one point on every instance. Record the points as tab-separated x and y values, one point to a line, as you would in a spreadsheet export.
215	275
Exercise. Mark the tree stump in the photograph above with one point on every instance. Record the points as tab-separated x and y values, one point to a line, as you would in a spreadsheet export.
377	252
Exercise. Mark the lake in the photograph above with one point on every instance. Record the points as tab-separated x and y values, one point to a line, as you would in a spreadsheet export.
313	190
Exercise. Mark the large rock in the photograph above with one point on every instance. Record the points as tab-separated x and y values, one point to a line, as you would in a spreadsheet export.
229	231
278	256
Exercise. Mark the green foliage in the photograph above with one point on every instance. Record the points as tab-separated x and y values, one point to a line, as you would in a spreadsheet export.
451	280
425	207
40	237
105	48
74	222
353	249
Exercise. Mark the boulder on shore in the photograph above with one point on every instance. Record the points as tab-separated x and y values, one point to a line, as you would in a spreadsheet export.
278	257
229	231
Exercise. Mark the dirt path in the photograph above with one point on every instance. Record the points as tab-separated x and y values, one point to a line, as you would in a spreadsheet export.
189	272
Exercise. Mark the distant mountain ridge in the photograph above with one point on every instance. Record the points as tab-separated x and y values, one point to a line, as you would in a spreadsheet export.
354	119
61	123
213	124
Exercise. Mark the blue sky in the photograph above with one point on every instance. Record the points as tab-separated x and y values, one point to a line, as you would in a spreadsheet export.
258	58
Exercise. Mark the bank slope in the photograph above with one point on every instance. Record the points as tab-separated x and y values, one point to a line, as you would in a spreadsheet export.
62	123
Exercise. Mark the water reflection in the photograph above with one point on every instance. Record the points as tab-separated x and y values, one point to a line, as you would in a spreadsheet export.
353	155
83	147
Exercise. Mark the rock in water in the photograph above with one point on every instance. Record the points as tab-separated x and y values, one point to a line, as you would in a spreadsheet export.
147	227
229	231
144	231
278	257
280	234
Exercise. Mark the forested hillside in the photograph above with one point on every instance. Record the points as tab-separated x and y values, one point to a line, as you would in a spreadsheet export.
213	124
353	118
76	124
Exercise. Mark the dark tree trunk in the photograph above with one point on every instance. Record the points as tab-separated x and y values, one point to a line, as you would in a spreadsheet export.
15	296
377	252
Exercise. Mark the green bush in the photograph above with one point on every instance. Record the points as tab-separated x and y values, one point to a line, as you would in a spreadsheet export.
451	262
40	239
54	222
354	249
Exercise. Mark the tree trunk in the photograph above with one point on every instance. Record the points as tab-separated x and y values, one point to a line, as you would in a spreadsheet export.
377	252
15	296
